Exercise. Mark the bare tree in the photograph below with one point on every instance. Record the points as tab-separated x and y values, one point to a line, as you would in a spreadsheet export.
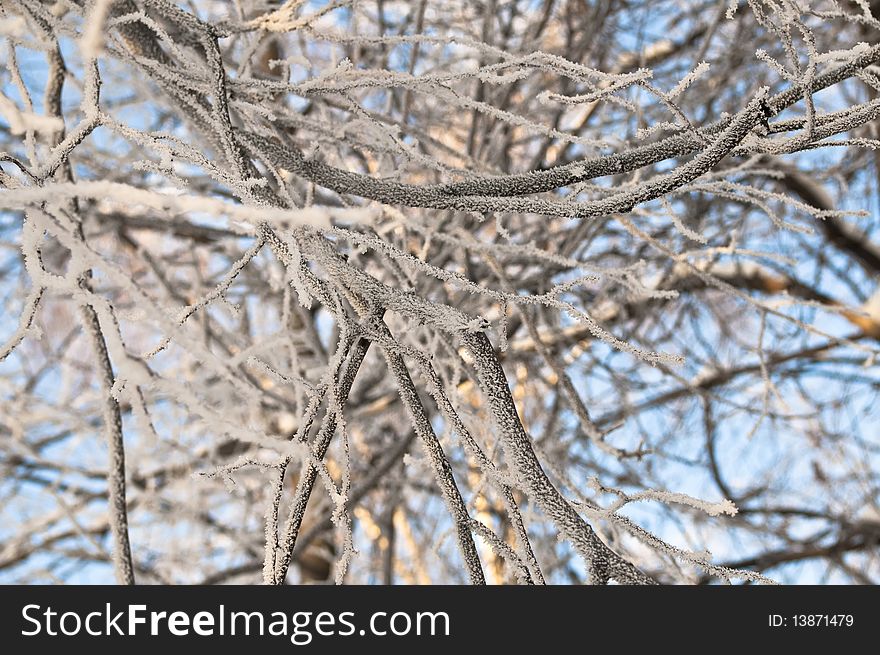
462	291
